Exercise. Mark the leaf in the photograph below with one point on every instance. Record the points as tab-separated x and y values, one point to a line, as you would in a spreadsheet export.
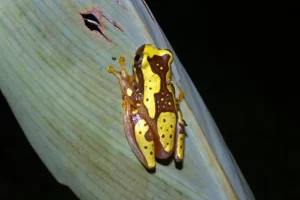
54	58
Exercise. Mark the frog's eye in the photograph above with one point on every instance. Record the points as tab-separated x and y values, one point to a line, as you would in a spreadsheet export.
138	60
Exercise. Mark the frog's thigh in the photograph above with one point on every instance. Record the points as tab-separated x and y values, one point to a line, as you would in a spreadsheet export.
166	126
145	141
130	127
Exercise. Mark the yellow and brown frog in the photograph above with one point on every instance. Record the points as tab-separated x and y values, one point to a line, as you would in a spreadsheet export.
153	122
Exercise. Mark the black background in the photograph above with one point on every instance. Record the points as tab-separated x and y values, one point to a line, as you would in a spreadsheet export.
241	59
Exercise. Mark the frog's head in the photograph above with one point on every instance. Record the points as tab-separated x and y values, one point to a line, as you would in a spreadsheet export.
158	61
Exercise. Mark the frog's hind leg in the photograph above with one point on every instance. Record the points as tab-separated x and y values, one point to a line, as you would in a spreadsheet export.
180	133
139	137
180	137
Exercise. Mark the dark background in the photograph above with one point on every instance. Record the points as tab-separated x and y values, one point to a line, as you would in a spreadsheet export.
241	59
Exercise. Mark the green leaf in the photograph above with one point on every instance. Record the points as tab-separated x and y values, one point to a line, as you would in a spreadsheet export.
54	76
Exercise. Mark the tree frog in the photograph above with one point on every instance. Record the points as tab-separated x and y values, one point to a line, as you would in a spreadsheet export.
152	119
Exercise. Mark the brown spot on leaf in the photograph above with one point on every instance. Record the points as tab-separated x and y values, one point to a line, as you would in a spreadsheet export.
120	3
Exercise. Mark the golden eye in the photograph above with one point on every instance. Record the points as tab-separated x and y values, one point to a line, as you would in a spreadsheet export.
138	60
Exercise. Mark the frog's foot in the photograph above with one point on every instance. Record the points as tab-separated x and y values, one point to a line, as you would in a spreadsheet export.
120	74
129	93
180	97
123	74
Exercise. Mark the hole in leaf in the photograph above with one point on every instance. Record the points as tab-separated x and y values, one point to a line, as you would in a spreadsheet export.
92	23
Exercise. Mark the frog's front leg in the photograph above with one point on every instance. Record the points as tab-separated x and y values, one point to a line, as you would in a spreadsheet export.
178	100
125	80
180	97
